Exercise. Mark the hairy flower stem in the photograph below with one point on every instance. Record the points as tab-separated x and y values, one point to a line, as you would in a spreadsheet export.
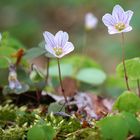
123	60
47	74
138	84
61	84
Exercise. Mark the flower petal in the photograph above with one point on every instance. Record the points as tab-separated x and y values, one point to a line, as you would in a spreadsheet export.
18	85
112	30
61	38
49	38
108	20
118	13
12	85
127	29
67	49
49	49
128	16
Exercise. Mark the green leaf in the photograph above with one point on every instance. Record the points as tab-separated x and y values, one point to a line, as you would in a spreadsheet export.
118	82
114	81
71	65
36	77
8	41
14	43
81	61
113	128
41	132
4	76
37	51
36	133
7	90
127	101
5	56
78	62
47	54
34	52
23	76
91	76
133	123
37	74
66	70
49	132
24	89
56	107
132	68
114	86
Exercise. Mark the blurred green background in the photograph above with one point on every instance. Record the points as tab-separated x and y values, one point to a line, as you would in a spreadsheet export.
26	20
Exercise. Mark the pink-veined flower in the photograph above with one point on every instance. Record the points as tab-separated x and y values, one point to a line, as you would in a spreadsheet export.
58	45
90	21
118	22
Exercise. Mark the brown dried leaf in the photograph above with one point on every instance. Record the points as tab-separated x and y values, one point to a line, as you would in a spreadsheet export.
70	87
99	105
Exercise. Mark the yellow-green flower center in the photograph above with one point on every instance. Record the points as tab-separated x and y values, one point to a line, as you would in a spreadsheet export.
12	76
120	26
58	51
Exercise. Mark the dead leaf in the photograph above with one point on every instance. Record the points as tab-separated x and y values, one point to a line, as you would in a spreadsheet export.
70	87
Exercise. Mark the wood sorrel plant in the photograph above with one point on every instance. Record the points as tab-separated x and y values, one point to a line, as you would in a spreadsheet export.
58	46
118	22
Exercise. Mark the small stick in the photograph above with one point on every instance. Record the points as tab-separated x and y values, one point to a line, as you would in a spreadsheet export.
123	60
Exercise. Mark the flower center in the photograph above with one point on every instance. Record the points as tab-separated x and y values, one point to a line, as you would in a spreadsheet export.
12	76
58	51
120	26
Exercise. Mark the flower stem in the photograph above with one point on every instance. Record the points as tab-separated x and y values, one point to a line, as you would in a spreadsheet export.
123	60
47	75
138	84
61	84
86	42
38	95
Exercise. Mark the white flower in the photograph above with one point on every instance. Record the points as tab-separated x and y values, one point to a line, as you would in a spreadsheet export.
13	81
118	22
58	45
90	21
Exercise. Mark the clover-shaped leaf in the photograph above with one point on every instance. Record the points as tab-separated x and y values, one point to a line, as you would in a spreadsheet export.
41	132
91	76
132	68
127	101
113	128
